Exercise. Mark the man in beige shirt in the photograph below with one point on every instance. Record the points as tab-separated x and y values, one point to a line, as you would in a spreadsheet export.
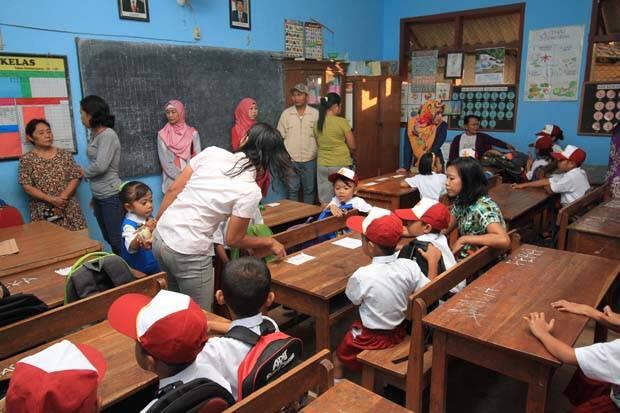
297	128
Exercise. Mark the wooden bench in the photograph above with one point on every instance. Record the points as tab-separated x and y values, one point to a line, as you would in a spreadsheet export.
33	331
407	365
597	232
315	375
577	208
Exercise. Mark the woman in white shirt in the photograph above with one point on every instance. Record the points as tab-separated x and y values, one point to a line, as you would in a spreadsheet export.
216	185
430	181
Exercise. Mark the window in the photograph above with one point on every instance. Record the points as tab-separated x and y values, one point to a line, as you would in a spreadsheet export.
604	42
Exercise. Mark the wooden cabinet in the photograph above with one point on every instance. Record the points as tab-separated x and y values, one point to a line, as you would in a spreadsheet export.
320	77
376	123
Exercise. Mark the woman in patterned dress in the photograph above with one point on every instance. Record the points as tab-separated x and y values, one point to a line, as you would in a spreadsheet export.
479	219
613	168
50	177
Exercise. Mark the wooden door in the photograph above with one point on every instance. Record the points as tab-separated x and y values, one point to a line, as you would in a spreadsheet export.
389	122
366	129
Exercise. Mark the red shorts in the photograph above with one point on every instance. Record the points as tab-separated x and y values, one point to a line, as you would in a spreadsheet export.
369	339
589	396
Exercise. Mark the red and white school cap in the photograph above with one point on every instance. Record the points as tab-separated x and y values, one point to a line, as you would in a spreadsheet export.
170	326
63	378
571	153
551	130
380	226
344	173
543	142
429	211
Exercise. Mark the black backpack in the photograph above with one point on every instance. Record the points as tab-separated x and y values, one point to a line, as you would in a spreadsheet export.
273	353
18	306
510	169
410	251
196	396
94	273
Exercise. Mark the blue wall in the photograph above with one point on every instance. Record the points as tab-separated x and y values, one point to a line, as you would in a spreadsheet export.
357	29
531	116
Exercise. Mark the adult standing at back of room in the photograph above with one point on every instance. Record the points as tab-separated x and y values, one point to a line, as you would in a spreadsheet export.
177	143
104	156
336	144
296	126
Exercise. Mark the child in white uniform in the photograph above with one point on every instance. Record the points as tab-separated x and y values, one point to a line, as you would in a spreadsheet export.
345	182
430	181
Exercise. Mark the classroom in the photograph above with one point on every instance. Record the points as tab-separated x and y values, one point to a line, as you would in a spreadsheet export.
269	205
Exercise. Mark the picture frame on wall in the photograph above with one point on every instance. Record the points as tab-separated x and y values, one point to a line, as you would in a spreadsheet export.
454	66
240	16
134	10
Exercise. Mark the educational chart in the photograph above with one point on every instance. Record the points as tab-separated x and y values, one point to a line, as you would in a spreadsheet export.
600	108
496	106
411	101
313	40
31	87
553	63
423	70
293	38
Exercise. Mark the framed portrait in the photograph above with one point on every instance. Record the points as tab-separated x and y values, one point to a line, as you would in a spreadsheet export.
133	10
240	14
454	66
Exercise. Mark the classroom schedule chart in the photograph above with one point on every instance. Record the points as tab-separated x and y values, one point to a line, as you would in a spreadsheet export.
33	87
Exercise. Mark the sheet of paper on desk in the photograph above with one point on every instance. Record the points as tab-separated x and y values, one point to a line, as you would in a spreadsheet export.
273	204
8	247
351	243
299	259
63	271
371	183
382	179
398	176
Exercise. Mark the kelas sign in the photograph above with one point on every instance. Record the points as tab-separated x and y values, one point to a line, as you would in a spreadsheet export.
43	64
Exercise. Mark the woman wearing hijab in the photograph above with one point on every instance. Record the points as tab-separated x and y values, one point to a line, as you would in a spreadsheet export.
245	117
177	143
427	131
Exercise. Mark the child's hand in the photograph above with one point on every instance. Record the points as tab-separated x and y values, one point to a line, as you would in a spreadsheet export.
403	184
569	307
538	325
611	317
147	244
337	212
517	186
432	253
151	223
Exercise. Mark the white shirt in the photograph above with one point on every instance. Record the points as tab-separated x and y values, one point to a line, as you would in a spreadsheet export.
226	354
382	289
193	371
601	361
467	145
571	185
535	165
209	197
430	186
356	202
440	242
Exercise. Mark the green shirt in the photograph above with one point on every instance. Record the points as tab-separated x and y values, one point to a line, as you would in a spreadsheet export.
475	218
333	149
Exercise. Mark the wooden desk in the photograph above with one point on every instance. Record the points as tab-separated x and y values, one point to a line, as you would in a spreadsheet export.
387	192
484	323
347	397
316	287
123	376
597	232
41	243
520	206
43	282
288	212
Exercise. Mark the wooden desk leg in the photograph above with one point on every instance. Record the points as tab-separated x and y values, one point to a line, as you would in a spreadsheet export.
537	390
321	325
368	377
439	375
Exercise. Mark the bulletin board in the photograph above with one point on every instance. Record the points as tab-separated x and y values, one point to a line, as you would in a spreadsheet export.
600	108
34	86
496	106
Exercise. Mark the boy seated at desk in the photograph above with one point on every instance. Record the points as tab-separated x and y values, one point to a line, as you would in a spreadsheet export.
63	378
345	183
246	291
170	330
572	183
380	289
595	386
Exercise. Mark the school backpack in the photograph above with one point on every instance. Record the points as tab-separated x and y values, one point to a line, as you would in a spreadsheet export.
510	164
273	353
197	396
94	273
410	251
9	215
18	306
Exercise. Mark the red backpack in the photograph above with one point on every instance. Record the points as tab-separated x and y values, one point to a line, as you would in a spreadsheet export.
273	353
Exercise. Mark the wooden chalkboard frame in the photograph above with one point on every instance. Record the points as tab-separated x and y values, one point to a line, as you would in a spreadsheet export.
580	130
